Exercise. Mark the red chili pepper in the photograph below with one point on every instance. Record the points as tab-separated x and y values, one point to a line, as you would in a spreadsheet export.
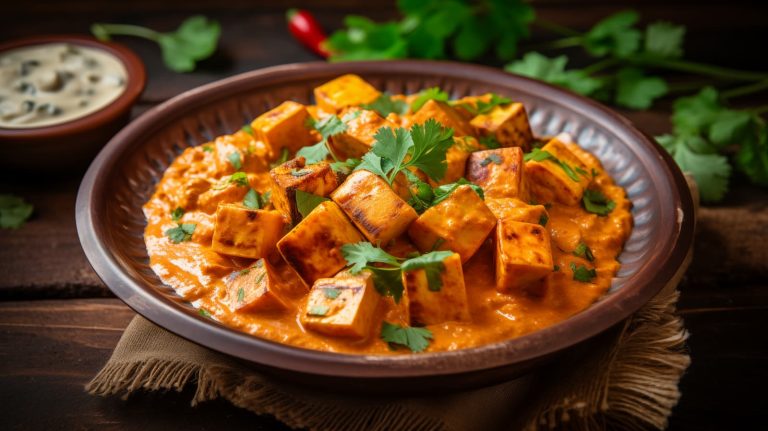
307	30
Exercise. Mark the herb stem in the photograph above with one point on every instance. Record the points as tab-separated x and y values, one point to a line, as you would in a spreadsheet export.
600	65
555	27
125	30
566	42
745	90
760	110
698	68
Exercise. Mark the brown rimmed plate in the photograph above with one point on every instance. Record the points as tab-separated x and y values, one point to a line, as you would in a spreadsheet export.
110	221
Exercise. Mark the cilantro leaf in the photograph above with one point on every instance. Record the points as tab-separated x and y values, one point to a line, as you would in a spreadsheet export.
361	254
330	125
366	40
306	202
582	250
614	35
582	274
430	144
664	40
375	164
543	219
385	105
247	129
434	93
182	232
442	192
331	293
597	203
539	155
388	282
637	91
392	145
703	114
432	263
235	159
327	127
552	70
177	214
346	166
415	339
314	153
194	40
710	169
490	142
14	211
284	154
318	310
239	178
252	200
472	40
752	158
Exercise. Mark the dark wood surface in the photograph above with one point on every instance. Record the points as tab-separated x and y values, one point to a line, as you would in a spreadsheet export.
59	323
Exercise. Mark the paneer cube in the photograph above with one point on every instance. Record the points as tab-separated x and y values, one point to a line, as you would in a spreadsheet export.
499	172
466	105
548	180
517	210
318	179
255	289
344	91
508	123
460	223
283	127
244	232
229	189
233	153
372	205
443	114
449	303
456	159
523	255
342	306
313	247
358	139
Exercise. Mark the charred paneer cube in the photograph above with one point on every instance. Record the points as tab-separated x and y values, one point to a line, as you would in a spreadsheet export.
561	178
444	301
244	232
342	306
443	114
313	247
456	159
255	289
358	139
284	127
318	179
344	91
377	211
499	172
517	210
523	254
508	124
459	223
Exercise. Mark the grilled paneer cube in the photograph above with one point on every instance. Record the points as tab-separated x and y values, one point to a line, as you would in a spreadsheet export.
517	210
318	179
344	91
373	207
443	114
523	254
459	223
358	139
313	247
255	289
283	127
244	232
508	123
456	159
342	306
499	172
447	302
549	181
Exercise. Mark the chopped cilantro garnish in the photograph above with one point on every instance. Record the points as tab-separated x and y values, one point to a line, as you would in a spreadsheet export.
207	148
235	159
327	127
318	310
539	155
252	200
492	158
416	339
490	142
597	203
284	155
240	295
247	129
203	312
300	172
582	274
331	293
385	105
177	214
306	202
434	93
543	219
582	250
239	178
182	232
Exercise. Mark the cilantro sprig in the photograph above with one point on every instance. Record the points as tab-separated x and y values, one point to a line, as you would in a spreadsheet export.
327	127
306	202
423	146
426	196
415	339
596	202
194	40
255	200
182	232
387	269
385	105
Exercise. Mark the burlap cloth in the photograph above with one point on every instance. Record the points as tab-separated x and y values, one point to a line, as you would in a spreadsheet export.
626	379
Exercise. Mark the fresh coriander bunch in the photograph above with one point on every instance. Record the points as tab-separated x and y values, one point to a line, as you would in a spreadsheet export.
194	40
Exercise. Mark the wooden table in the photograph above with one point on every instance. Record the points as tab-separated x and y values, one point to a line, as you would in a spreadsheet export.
59	323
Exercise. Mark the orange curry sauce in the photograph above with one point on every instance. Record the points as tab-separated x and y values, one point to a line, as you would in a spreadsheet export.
197	182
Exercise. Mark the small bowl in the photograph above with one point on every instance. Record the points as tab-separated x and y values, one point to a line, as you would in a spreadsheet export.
73	143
